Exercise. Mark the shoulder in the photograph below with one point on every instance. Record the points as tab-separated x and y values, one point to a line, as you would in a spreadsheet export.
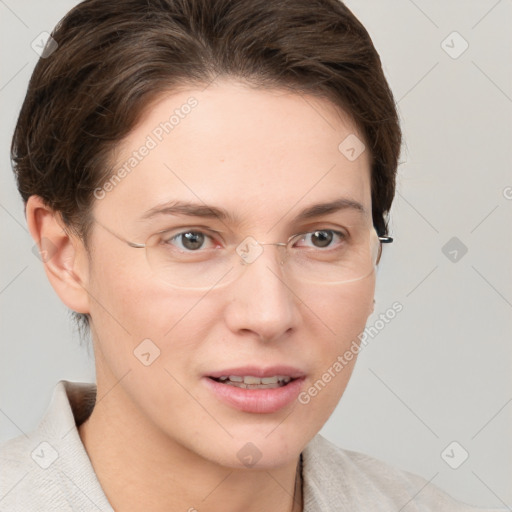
24	485
48	468
339	479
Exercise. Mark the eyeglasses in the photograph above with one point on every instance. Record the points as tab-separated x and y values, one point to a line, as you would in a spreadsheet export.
193	258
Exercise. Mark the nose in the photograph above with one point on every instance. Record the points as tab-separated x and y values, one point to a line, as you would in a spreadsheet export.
262	299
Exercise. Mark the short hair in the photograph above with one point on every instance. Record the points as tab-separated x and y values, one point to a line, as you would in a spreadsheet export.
114	58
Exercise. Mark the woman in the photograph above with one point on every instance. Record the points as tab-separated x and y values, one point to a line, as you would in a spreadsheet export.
208	183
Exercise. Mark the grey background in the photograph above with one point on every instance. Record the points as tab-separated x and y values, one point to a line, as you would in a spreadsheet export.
440	370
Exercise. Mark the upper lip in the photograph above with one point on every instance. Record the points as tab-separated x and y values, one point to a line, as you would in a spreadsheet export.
258	371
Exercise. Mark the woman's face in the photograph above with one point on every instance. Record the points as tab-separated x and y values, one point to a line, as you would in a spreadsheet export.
263	157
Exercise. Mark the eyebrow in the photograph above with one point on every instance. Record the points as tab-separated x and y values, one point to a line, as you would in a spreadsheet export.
210	211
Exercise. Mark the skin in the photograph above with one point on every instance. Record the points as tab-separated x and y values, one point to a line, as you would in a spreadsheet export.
263	155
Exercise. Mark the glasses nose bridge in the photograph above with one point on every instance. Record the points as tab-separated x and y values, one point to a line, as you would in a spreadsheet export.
279	244
283	246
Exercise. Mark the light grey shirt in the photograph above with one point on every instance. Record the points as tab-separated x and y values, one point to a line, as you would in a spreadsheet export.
49	470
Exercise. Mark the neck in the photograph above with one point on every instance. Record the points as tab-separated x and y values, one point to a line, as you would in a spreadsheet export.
140	468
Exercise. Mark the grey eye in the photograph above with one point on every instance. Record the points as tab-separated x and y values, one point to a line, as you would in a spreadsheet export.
190	240
321	239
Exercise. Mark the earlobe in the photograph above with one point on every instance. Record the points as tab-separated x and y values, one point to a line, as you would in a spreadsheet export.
379	254
63	254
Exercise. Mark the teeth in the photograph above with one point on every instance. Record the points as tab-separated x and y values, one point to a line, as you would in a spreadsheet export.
251	382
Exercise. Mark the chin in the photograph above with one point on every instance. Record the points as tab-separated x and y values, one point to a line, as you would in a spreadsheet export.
251	448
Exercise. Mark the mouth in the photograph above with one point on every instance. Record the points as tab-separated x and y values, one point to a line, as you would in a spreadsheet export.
256	390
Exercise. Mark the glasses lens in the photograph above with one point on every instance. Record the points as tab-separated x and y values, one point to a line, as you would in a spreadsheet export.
347	259
183	261
323	256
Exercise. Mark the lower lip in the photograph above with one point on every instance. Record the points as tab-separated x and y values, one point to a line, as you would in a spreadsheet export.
262	401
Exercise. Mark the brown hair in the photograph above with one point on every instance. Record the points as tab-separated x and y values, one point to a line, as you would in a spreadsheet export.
114	58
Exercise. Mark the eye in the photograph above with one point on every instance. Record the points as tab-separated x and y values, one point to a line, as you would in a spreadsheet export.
190	240
321	238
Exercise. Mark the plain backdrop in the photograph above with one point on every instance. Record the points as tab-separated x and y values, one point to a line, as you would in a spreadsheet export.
435	382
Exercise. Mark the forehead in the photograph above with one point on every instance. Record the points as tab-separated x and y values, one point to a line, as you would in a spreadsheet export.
259	153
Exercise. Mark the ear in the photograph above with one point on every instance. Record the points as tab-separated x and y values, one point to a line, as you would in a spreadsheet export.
62	253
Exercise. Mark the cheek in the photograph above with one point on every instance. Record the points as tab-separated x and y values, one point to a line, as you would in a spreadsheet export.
339	320
130	306
342	311
124	292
